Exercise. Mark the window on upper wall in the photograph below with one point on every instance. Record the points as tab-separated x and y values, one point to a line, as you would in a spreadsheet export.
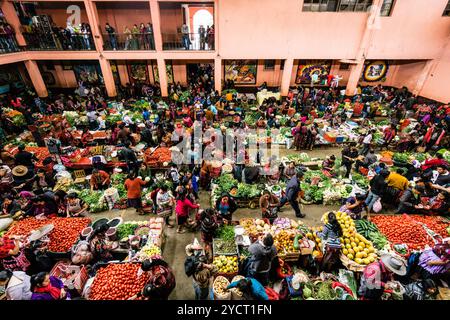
447	10
336	5
269	64
386	8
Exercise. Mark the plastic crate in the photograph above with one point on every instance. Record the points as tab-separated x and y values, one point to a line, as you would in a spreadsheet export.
340	139
73	277
215	253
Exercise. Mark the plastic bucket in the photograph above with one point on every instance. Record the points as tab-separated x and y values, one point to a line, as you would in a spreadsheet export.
111	234
86	232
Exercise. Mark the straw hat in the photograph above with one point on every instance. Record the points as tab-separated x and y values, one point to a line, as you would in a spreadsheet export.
20	171
191	247
394	263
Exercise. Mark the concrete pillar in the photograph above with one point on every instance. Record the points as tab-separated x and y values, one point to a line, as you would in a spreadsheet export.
218	74
287	74
353	79
108	77
91	11
156	22
36	78
425	73
162	76
372	24
12	18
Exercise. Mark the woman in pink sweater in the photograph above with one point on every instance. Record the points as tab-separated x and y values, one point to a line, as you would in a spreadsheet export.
182	208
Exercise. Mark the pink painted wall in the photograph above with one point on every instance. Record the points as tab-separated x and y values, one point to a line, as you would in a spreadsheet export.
171	17
121	14
415	30
279	29
437	84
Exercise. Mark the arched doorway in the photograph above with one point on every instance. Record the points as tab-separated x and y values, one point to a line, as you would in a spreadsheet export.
201	18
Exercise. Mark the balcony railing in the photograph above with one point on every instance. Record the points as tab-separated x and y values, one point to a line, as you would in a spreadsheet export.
126	41
191	41
58	41
8	44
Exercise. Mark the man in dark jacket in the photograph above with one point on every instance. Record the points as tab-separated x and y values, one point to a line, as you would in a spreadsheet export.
409	199
292	190
262	254
378	186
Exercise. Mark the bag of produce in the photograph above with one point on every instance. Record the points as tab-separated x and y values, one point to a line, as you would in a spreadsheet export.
236	294
220	288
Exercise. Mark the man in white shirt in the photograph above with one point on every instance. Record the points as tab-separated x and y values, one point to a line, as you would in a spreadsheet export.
16	285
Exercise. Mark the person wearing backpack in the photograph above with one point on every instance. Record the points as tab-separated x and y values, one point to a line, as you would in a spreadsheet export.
201	272
209	223
174	175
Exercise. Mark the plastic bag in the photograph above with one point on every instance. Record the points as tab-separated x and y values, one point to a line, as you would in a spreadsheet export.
377	206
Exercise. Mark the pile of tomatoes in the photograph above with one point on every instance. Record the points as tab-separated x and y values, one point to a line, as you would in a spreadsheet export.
403	229
65	233
118	281
435	223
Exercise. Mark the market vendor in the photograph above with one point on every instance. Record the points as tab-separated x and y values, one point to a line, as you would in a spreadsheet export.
87	139
10	207
377	274
100	180
349	156
161	282
76	207
424	289
25	158
354	206
330	235
269	203
434	263
437	205
328	166
16	284
409	199
251	289
226	206
262	254
289	171
6	178
432	163
128	155
43	181
442	176
46	287
366	161
42	207
397	180
98	244
11	255
164	204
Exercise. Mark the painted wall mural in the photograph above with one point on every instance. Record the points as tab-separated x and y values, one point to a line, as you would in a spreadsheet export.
316	70
241	71
375	71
